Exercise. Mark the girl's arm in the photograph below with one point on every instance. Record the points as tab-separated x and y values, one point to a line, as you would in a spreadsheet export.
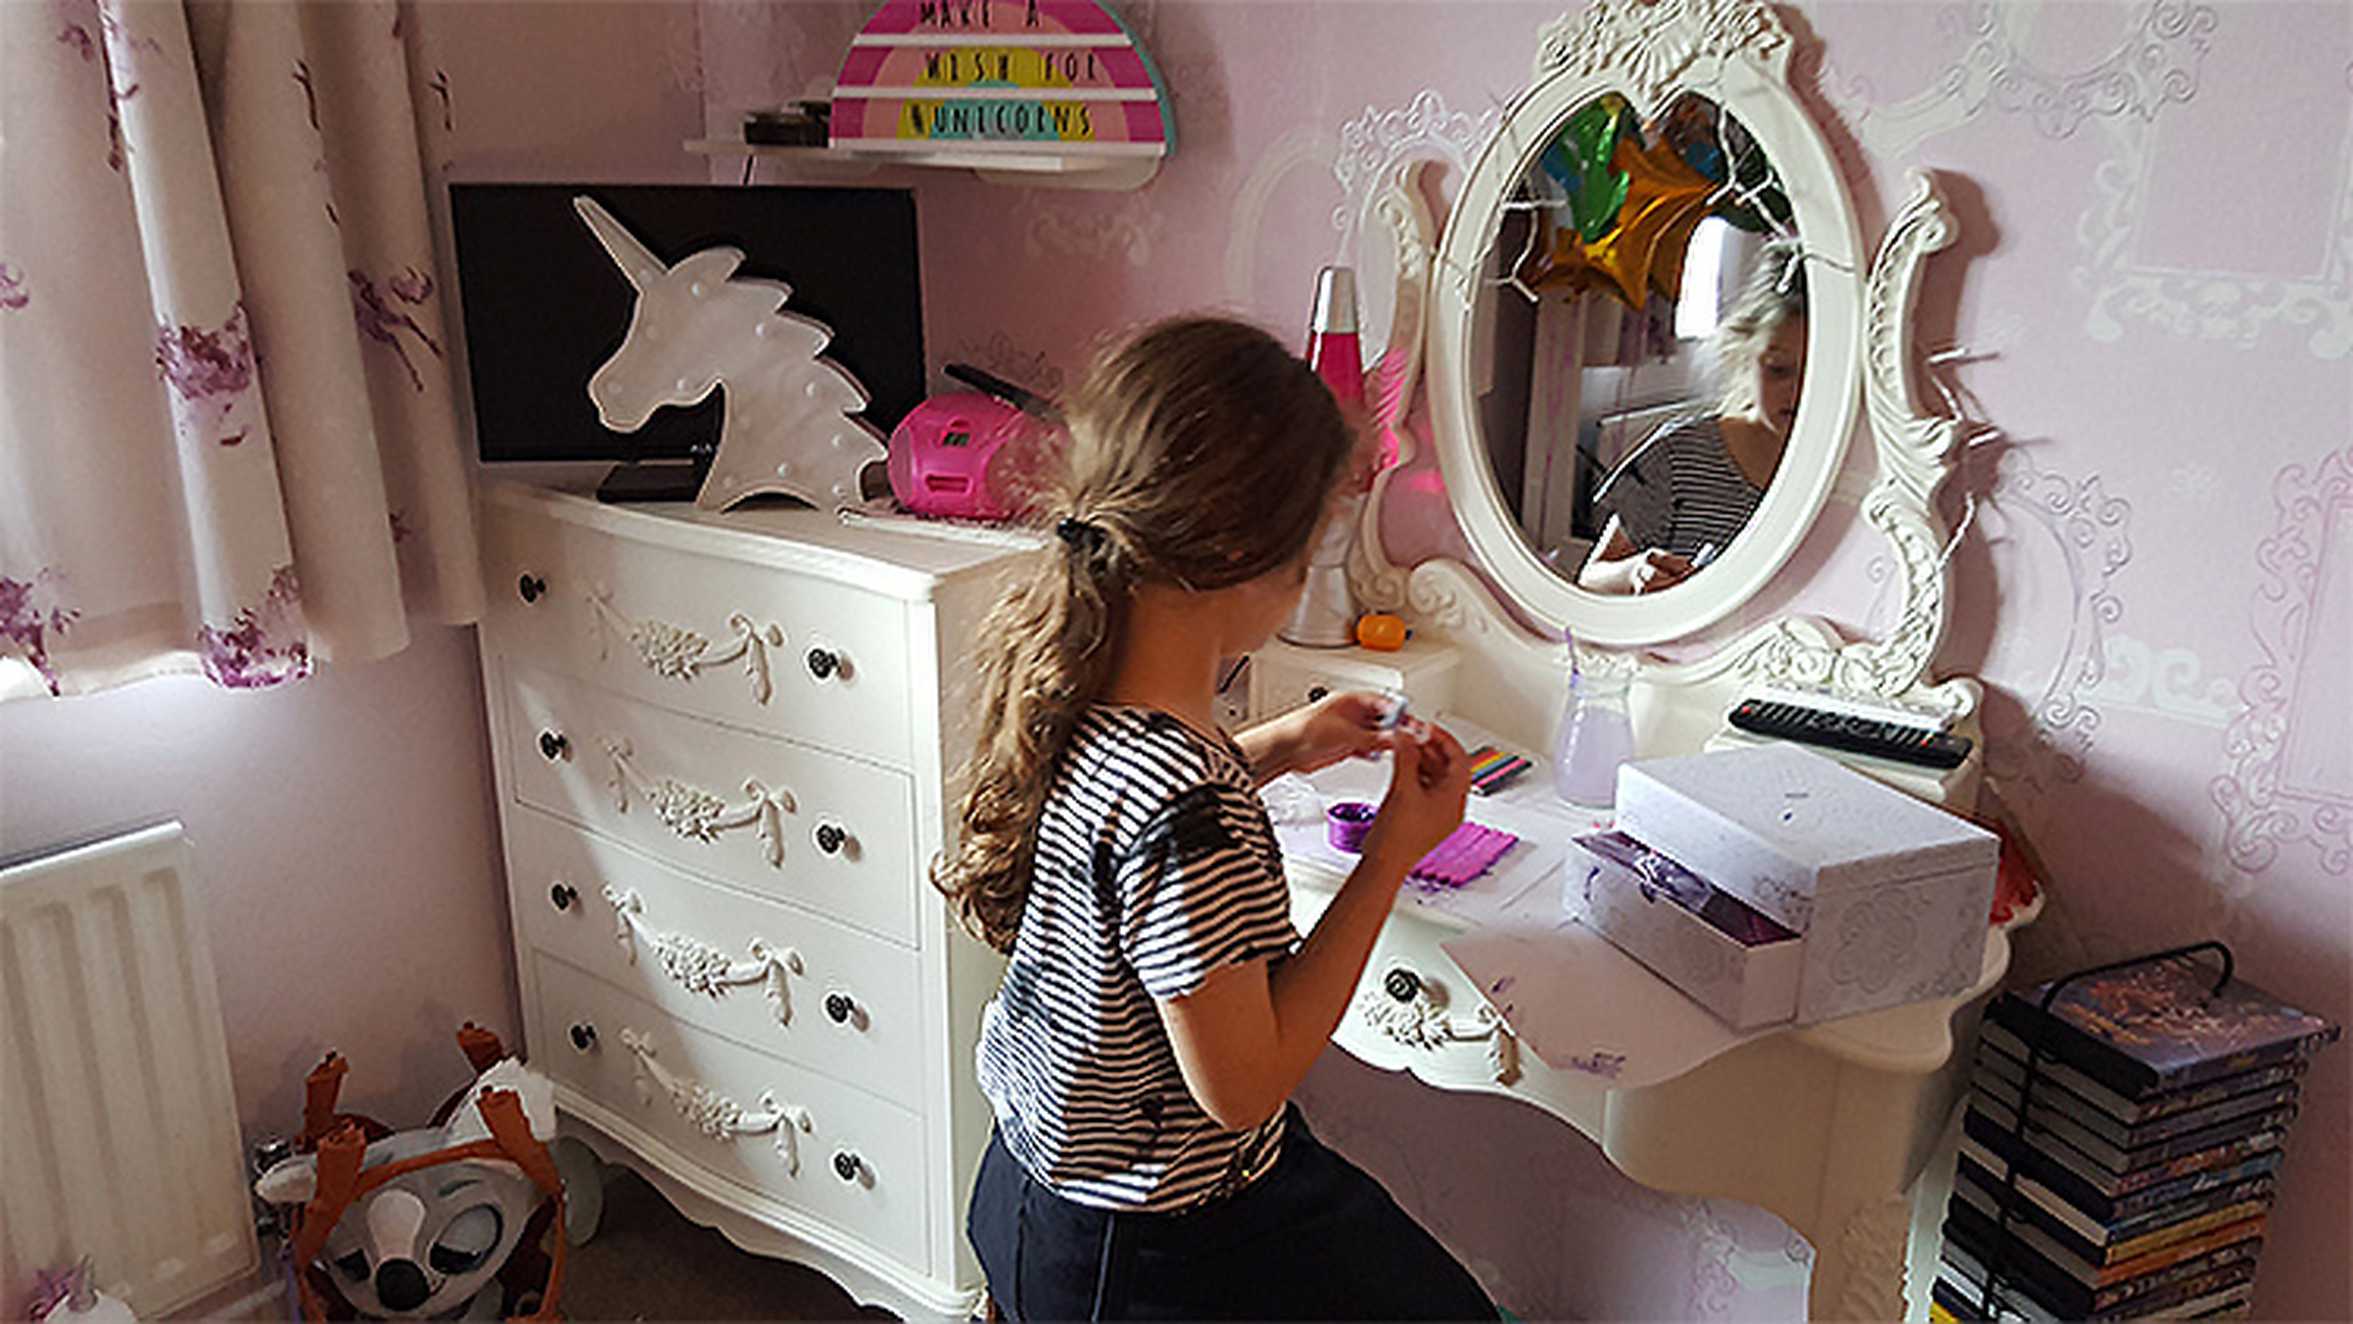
1245	1038
1319	735
1615	567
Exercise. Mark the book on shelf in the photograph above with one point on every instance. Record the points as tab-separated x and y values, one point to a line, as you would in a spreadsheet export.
2055	1159
2121	1161
1977	1223
2099	1245
2072	1253
2002	1079
1962	1297
2009	1053
2073	1300
2123	1301
2101	1232
1961	1284
2041	1169
2160	1025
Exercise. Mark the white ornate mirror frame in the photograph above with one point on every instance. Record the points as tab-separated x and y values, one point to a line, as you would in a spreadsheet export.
1737	53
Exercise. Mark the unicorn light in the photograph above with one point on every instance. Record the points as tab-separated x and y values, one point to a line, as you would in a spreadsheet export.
787	426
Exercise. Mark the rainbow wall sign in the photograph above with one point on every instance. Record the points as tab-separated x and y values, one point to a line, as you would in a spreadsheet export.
1001	76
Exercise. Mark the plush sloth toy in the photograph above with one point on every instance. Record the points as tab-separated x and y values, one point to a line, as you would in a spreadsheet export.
446	1221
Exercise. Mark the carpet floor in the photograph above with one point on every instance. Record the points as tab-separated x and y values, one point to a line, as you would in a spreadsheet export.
646	1262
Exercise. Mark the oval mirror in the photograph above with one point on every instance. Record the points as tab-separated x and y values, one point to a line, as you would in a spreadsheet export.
1644	346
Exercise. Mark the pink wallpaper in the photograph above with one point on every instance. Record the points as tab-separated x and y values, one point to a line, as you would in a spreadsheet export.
2156	277
345	816
2155	283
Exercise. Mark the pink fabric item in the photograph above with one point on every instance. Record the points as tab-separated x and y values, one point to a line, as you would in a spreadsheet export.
1467	852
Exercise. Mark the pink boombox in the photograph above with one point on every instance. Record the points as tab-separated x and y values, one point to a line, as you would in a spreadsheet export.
972	455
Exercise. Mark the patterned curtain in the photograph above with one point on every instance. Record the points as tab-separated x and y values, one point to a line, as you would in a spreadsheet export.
228	442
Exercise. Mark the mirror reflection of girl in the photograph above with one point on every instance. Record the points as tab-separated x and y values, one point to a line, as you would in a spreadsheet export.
1158	1007
1691	486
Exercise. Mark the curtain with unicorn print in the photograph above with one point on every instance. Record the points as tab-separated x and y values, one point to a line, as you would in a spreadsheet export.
228	436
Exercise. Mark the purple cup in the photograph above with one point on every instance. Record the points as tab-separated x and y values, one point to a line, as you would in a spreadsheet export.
1346	823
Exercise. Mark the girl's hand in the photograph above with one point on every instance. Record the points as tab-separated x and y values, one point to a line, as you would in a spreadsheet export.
1428	785
1646	571
1333	728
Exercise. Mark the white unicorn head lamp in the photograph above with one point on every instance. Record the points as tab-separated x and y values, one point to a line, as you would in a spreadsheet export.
787	427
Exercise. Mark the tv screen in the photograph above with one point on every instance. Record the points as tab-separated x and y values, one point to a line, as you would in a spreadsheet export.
545	306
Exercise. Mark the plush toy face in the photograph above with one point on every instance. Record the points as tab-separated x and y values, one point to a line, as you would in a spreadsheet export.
423	1244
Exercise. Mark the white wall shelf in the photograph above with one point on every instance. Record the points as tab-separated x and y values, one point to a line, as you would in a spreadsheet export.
1032	169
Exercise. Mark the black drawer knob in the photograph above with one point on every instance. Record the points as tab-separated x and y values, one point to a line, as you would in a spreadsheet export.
1403	985
561	896
823	663
553	745
583	1036
845	1165
831	838
1318	693
838	1007
532	587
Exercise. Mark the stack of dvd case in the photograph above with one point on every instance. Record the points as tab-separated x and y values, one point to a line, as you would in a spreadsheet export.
2141	1182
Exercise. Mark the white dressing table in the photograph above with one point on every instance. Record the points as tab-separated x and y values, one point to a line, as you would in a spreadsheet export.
1859	1106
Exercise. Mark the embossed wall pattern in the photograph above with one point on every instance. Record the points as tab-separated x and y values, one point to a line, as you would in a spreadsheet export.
2157	588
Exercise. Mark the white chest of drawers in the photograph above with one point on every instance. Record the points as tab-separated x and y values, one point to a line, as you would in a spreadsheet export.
721	743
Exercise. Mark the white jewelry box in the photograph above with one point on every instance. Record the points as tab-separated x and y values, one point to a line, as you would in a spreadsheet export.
1892	895
1726	956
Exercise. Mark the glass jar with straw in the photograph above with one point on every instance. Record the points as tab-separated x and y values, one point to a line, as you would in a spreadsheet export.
1596	734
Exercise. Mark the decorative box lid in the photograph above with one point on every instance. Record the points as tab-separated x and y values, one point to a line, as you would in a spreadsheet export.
1834	827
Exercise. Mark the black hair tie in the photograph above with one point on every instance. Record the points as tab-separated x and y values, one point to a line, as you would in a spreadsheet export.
1080	535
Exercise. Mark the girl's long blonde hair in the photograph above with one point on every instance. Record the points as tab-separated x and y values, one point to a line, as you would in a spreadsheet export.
1773	292
1202	454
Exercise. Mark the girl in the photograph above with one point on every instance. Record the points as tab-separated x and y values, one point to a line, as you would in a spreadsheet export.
1688	490
1158	1006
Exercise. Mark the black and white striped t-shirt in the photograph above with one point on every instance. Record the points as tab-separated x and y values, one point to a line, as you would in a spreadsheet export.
1155	865
1680	491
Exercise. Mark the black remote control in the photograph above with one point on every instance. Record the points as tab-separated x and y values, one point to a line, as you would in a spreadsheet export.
1861	735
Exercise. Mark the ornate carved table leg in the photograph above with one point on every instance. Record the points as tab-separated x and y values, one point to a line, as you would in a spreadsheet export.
1829	1144
1859	1267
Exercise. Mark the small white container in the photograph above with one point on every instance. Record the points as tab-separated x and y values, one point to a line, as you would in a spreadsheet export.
1891	894
1284	675
1726	956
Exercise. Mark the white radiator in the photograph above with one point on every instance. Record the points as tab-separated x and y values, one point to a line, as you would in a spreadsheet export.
118	1127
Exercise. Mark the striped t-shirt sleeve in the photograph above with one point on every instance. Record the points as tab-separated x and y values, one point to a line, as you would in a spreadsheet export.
1641	493
1202	890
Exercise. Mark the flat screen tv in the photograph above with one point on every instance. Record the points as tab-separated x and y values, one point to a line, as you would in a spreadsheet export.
545	306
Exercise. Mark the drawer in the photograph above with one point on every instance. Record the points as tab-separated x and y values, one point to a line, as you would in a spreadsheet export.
1722	954
1284	676
809	658
778	979
834	1152
782	819
1413	1009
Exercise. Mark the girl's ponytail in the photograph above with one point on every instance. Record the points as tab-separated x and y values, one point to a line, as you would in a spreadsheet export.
1044	653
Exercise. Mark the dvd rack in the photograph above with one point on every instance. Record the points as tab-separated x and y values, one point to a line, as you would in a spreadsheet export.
1990	1300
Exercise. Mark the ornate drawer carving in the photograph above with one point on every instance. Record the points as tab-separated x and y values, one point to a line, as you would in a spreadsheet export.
757	647
1414	1010
772	816
845	1156
772	977
1410	1005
